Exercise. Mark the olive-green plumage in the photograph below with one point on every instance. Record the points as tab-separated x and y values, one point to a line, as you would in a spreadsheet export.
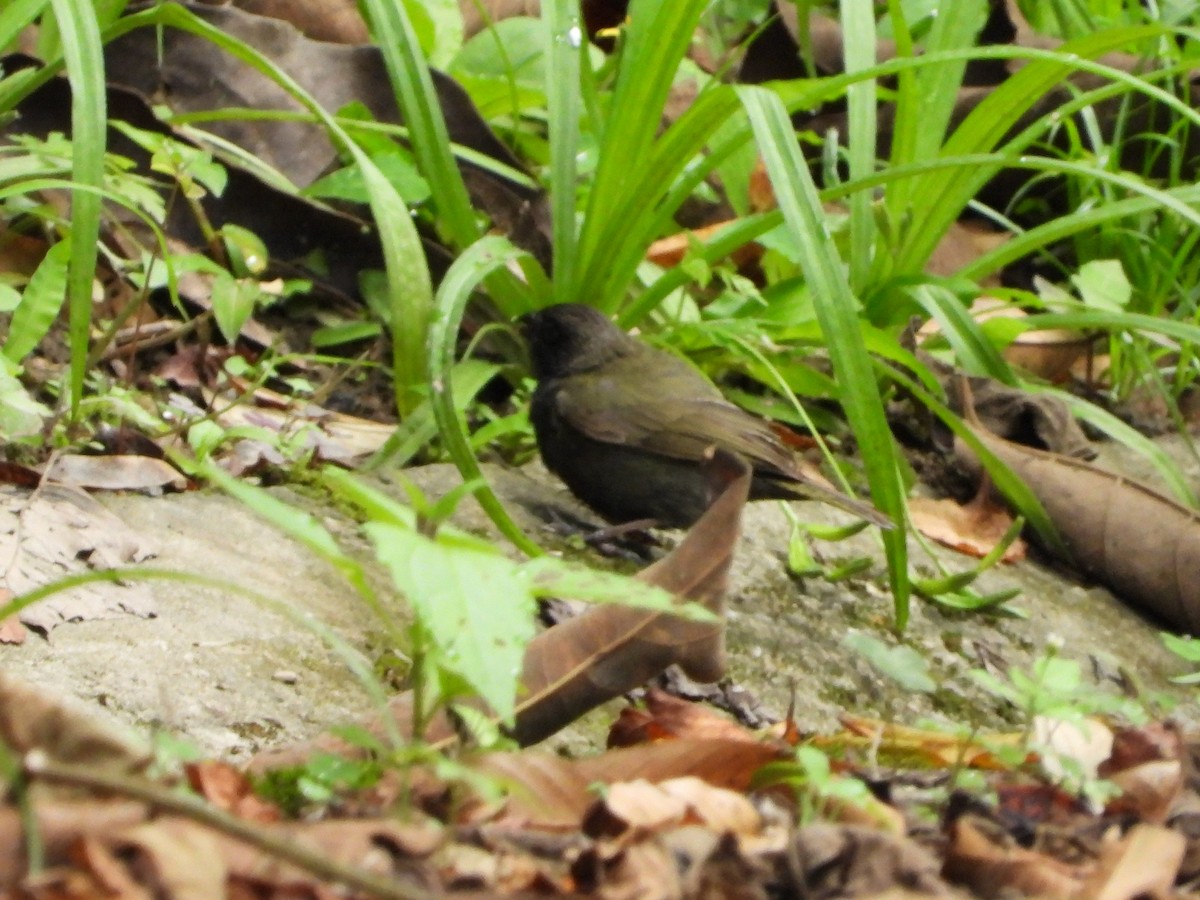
625	425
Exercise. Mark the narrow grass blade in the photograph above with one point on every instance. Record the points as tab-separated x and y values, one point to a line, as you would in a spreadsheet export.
837	314
974	351
397	40
858	26
478	261
415	432
565	42
656	39
83	55
943	198
16	16
1006	482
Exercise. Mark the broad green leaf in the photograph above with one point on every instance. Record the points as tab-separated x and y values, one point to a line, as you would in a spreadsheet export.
1103	283
477	608
233	302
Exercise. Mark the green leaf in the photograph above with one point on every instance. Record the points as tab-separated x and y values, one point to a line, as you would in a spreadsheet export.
20	415
1102	283
41	300
10	299
233	301
83	54
480	260
563	34
837	312
474	604
248	255
902	664
1182	645
16	15
552	577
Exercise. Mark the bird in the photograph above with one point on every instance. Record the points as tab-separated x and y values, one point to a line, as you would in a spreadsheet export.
625	425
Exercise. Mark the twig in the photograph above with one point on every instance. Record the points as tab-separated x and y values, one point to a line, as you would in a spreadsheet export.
37	765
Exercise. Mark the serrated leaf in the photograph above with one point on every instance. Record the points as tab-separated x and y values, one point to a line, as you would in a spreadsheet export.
475	605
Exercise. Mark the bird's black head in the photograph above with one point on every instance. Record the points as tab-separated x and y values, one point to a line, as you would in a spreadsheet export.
571	338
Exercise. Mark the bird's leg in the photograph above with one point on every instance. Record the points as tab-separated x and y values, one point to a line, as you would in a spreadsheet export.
614	532
625	540
629	541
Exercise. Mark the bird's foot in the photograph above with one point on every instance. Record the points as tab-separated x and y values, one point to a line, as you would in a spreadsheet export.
629	540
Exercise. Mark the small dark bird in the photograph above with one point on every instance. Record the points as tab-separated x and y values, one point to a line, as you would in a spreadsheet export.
625	425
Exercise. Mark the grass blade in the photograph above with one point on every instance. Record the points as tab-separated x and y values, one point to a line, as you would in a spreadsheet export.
397	40
837	314
83	56
858	24
655	41
564	45
482	258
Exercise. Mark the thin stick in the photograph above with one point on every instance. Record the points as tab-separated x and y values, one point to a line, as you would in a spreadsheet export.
37	765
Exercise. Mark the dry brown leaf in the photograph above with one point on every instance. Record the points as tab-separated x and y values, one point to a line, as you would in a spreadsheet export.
669	251
168	857
609	650
974	528
59	530
115	473
852	861
334	437
1140	866
1142	545
229	789
1133	746
1087	743
667	716
550	792
642	870
11	629
61	825
381	847
1148	790
22	476
633	806
961	244
973	861
64	728
716	808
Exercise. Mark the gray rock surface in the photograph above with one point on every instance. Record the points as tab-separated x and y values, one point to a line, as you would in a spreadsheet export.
207	665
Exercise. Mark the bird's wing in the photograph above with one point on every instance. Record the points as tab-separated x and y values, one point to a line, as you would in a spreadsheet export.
662	423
